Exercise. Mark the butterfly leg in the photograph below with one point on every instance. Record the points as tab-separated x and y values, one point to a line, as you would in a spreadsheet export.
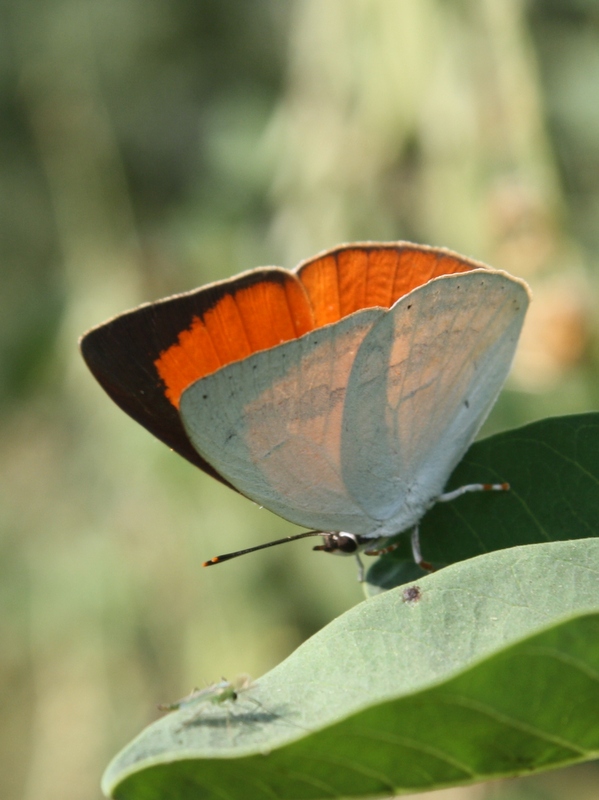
415	538
445	498
417	553
473	487
382	551
360	568
379	551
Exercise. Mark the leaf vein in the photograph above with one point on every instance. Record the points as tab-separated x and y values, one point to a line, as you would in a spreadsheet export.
564	658
419	747
505	719
351	765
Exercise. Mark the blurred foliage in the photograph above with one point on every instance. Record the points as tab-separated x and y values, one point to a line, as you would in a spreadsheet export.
147	147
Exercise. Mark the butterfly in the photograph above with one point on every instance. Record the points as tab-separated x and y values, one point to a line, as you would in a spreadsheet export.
339	395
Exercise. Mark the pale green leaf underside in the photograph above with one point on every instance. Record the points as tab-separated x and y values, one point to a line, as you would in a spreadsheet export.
493	671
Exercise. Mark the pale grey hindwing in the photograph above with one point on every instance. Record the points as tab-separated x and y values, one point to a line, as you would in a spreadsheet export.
423	382
271	425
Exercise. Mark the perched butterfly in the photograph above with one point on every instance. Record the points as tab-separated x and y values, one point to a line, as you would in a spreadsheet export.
340	395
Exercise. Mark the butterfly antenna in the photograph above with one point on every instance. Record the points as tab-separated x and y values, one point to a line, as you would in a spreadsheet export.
229	556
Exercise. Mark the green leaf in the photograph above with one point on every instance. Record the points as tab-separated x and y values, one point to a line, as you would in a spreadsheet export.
488	668
552	467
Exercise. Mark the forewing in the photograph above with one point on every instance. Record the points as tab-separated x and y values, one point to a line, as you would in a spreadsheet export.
424	380
271	424
144	358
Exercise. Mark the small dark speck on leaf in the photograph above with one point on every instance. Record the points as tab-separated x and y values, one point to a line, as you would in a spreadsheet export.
467	403
411	594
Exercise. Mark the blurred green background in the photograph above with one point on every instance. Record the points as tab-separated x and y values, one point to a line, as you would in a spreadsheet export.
150	146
